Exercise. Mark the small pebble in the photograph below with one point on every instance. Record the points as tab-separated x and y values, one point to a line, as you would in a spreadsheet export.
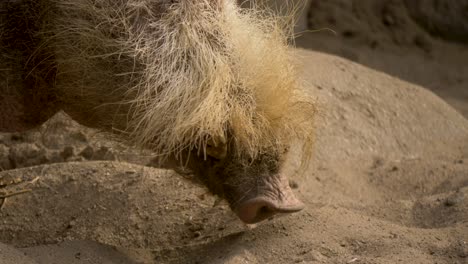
293	184
454	199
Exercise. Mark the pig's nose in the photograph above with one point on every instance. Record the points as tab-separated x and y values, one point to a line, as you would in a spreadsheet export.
259	209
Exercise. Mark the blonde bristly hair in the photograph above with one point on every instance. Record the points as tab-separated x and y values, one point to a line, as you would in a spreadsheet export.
177	75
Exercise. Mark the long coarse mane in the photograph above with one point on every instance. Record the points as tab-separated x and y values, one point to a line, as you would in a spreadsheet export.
183	72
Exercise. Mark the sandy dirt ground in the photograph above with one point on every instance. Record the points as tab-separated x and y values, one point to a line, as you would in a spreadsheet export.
389	181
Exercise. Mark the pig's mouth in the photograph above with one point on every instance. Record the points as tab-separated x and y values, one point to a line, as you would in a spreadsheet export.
266	202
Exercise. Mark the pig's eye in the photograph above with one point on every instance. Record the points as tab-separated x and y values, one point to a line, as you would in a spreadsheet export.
216	148
217	152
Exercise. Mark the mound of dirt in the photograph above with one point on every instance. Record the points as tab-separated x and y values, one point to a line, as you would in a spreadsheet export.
389	184
374	114
61	139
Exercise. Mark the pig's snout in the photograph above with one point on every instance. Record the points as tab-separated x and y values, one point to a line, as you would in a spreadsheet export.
259	209
278	199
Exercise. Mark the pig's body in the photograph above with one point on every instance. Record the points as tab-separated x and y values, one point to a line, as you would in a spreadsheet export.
201	83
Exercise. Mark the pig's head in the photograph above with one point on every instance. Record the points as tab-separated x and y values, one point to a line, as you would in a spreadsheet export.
255	188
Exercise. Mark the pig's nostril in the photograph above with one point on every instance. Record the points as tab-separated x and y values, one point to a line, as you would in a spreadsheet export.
265	212
256	211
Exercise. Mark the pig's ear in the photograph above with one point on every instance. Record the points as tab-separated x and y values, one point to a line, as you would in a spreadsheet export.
217	147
